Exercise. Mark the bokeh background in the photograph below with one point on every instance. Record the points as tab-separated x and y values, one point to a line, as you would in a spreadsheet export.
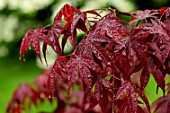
17	16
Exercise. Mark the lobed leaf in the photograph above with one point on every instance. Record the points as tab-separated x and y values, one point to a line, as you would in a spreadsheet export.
33	37
128	91
161	105
143	15
24	91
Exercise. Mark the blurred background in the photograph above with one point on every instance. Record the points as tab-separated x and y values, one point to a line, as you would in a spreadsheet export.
17	16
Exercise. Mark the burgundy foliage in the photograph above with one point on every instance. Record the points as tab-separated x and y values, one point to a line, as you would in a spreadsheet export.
102	63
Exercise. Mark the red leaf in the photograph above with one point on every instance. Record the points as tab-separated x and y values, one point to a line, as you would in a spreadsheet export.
132	17
55	41
142	15
57	70
62	58
24	46
51	80
58	67
162	10
33	37
123	90
101	95
129	90
79	21
16	110
67	11
140	110
44	51
72	23
36	46
142	96
144	78
24	91
82	66
158	76
162	105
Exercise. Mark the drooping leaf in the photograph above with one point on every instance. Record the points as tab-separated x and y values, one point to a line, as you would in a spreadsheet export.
33	37
143	15
142	96
24	91
81	65
158	76
144	78
73	21
161	105
162	10
102	93
57	68
128	91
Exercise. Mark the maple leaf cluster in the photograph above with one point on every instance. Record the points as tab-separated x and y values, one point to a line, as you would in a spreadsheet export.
104	63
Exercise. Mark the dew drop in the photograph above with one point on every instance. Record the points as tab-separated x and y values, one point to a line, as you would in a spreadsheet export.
55	48
130	64
49	96
99	58
42	95
69	78
162	47
64	69
109	63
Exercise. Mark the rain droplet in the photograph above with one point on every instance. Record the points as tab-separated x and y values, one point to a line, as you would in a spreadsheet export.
108	63
63	69
49	96
99	58
130	64
69	78
162	47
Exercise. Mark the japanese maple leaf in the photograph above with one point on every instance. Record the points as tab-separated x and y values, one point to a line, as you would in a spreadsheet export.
167	25
114	40
129	91
102	94
151	44
162	105
57	68
24	91
164	11
80	65
143	15
73	21
33	37
104	27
